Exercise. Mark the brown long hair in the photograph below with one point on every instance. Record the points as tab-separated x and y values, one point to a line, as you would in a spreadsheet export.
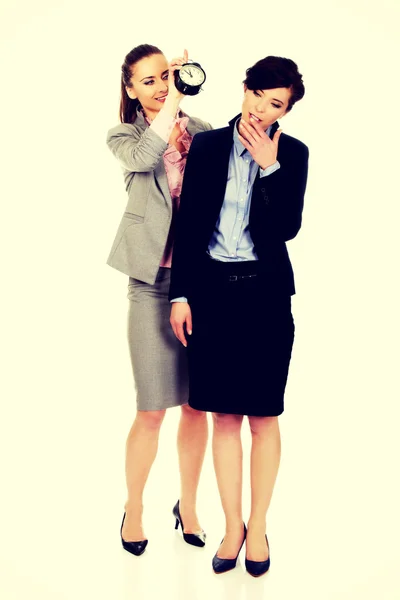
127	106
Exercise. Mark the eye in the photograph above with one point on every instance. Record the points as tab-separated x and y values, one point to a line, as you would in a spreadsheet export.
149	82
256	93
165	76
276	105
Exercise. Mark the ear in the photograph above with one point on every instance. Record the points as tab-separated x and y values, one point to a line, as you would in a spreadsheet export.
245	88
130	92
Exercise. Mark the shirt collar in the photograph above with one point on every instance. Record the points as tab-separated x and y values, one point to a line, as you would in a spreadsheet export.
238	144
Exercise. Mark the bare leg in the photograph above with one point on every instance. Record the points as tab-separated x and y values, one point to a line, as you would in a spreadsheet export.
192	442
141	450
265	459
228	458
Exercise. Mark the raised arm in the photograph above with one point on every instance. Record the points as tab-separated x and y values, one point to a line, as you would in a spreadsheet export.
138	150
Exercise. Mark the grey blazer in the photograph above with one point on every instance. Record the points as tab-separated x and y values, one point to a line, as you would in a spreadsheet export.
142	234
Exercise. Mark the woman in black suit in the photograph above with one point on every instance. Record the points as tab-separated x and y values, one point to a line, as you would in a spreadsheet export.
231	288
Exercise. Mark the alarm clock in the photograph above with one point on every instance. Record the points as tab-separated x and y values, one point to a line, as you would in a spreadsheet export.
189	78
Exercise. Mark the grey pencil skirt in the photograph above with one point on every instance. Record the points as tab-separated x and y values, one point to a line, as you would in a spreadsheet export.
159	360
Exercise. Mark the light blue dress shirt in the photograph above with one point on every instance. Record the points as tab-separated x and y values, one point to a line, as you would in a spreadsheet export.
231	241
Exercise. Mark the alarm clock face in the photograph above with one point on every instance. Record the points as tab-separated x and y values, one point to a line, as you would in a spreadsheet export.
191	75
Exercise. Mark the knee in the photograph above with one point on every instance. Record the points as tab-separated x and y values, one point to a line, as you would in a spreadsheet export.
150	419
263	425
191	413
227	423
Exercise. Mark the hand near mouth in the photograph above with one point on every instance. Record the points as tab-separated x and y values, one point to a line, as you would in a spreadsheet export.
258	143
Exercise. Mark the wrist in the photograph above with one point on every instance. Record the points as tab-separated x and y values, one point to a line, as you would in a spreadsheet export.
266	165
171	104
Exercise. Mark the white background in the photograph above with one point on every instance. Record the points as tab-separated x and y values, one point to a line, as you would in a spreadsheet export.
68	397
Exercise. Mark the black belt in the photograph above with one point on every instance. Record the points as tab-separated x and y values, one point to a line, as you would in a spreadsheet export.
232	271
237	277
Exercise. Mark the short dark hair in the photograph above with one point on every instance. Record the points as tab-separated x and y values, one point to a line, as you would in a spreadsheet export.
128	106
274	72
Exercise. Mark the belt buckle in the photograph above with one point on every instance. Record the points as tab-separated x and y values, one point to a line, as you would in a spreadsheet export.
233	278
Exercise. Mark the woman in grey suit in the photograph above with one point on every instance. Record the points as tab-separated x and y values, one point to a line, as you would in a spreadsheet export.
151	145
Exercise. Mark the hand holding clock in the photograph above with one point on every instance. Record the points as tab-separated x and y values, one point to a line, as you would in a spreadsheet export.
258	143
174	96
173	66
184	79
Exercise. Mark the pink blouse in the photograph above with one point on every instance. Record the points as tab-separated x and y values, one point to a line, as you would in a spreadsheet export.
174	163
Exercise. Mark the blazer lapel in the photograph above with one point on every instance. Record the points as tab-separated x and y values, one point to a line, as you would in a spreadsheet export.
217	166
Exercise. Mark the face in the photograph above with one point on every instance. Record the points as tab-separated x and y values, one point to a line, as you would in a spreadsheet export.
150	83
266	106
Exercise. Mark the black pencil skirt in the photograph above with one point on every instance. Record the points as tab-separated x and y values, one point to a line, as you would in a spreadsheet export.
241	345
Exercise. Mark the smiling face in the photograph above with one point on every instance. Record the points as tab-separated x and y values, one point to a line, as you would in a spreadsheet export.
265	106
150	83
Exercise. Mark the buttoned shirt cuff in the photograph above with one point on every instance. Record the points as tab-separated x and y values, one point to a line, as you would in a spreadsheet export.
180	299
162	125
269	170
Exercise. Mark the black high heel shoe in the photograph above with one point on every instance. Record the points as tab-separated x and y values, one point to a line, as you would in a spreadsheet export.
257	568
136	548
195	539
221	565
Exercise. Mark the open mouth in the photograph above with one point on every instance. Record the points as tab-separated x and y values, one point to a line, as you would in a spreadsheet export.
161	98
254	117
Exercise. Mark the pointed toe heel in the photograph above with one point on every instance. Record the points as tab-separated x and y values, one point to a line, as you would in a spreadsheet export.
257	568
194	539
136	548
222	565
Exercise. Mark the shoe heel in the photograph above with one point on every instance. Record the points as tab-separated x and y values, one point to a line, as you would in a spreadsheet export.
194	539
221	565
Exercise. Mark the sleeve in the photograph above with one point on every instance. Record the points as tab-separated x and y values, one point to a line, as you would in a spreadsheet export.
283	193
163	124
269	170
135	150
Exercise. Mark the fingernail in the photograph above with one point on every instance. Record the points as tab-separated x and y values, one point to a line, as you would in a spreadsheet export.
190	332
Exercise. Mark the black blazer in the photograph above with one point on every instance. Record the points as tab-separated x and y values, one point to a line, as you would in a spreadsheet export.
275	210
